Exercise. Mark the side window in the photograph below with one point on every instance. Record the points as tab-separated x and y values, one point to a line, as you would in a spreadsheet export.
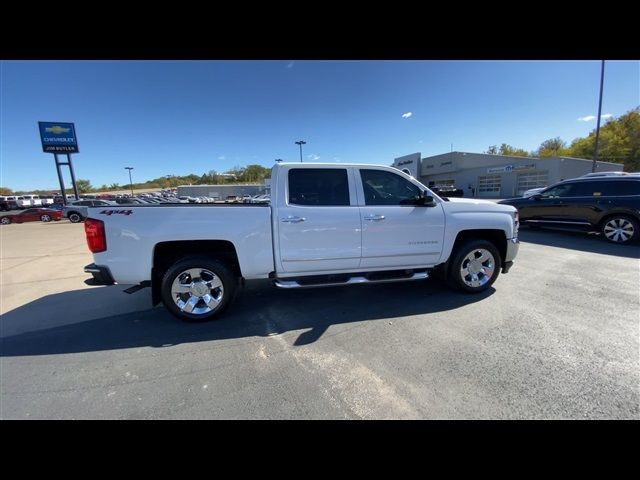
387	188
617	188
319	187
564	190
587	189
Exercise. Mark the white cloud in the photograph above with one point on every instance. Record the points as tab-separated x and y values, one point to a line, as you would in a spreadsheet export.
291	64
407	115
313	156
588	118
221	157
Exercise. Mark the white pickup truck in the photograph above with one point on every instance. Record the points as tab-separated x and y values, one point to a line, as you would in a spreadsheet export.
327	224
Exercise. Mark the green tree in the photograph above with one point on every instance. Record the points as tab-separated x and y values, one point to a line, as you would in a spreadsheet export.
255	173
5	191
552	147
506	149
492	150
84	186
114	186
619	142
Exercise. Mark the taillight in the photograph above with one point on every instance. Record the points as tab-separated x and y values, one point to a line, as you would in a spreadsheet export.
96	238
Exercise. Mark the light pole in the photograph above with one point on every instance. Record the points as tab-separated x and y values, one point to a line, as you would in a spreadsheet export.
300	142
130	182
595	154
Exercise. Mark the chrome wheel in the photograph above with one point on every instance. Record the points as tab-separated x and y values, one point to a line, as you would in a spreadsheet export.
618	230
45	218
477	267
5	221
197	291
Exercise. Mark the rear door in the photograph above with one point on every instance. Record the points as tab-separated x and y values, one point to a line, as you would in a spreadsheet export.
318	224
395	231
583	206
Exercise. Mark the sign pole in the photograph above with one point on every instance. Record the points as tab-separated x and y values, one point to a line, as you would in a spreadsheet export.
73	177
61	180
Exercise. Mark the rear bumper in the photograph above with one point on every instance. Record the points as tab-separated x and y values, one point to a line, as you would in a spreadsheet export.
513	245
101	274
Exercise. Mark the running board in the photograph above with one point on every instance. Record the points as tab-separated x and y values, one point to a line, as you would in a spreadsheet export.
281	283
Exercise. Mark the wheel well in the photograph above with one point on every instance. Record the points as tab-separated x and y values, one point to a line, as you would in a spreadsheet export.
166	254
497	237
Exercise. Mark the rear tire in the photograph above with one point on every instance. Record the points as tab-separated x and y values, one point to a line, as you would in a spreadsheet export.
476	265
198	289
45	218
620	229
75	217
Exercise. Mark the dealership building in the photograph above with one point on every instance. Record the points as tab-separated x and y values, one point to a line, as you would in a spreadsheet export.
495	176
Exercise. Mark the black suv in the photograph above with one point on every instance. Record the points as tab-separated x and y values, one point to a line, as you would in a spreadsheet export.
610	205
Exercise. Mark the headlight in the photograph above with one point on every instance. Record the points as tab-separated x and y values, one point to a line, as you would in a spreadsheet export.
516	223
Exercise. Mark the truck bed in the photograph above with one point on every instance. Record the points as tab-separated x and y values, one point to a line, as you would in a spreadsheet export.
133	232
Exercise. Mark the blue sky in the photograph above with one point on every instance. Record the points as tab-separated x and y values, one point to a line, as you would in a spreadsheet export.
180	117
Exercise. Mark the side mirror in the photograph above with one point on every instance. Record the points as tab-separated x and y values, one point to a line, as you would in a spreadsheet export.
537	196
425	201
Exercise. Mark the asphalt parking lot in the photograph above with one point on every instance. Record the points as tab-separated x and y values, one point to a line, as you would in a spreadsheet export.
556	338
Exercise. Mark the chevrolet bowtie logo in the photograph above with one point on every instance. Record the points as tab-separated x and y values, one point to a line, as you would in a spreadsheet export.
57	129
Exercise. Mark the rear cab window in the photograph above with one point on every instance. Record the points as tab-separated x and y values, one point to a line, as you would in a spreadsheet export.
328	187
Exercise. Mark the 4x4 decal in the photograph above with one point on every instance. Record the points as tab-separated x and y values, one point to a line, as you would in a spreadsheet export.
120	212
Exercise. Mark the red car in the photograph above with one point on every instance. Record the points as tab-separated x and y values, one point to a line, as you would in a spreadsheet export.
32	215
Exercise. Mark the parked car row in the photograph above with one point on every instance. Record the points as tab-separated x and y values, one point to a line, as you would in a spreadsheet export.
16	202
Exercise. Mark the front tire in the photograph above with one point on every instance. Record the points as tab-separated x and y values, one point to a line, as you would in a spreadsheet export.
475	266
198	289
45	218
75	217
5	220
620	229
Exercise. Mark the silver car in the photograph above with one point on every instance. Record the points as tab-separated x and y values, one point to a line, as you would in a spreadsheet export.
77	211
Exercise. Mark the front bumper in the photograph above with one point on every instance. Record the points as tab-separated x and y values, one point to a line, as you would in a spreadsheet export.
513	245
101	274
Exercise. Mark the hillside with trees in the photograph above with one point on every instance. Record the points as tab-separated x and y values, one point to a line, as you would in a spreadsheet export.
237	175
619	142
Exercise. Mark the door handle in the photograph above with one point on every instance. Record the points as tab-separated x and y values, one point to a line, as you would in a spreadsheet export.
374	218
293	219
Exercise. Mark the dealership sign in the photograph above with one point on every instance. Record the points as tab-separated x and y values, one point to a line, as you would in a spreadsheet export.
510	168
506	168
58	137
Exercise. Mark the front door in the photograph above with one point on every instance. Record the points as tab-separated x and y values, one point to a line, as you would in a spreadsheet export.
395	231
550	206
318	224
